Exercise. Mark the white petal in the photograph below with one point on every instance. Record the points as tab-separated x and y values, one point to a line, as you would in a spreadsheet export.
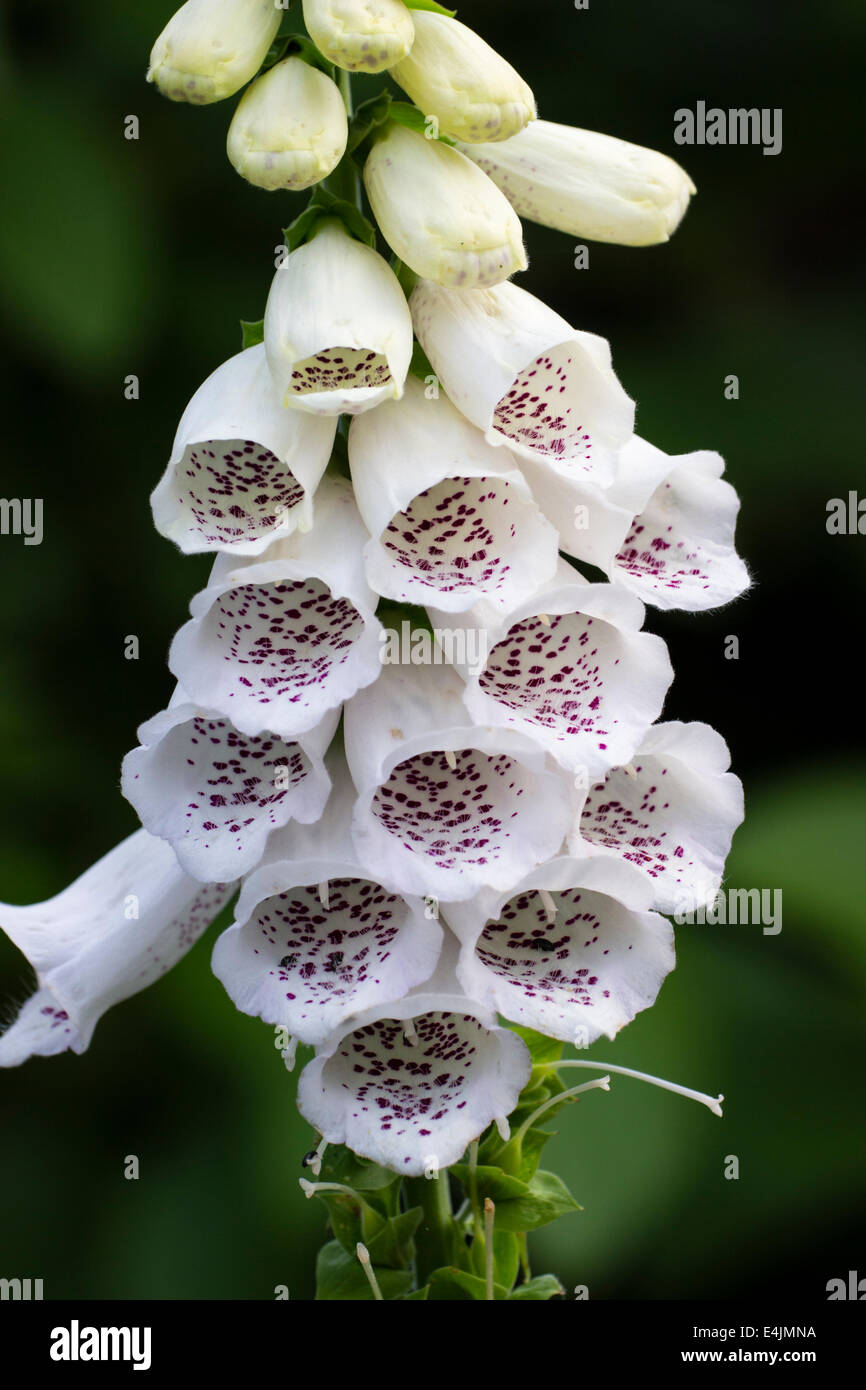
460	524
338	331
427	827
360	35
289	129
110	934
412	1100
582	680
680	550
210	48
274	644
215	795
572	952
594	521
243	470
527	378
673	815
293	961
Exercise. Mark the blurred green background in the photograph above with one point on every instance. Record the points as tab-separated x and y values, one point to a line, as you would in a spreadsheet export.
121	257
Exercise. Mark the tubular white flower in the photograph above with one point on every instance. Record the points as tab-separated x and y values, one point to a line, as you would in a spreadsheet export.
451	73
672	814
315	940
290	128
526	378
275	643
338	331
571	669
360	35
243	470
680	550
457	526
125	922
587	184
572	951
411	1084
439	213
215	795
444	807
210	48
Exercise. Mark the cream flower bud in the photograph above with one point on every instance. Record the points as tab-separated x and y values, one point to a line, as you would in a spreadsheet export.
360	35
454	75
588	184
442	216
210	48
290	128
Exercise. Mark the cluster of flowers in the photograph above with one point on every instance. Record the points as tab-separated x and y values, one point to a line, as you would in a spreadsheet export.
498	837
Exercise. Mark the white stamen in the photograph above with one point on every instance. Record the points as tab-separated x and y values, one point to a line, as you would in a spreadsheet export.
324	895
712	1104
489	1214
289	1053
503	1127
630	771
451	759
310	1189
544	618
409	1034
549	905
364	1256
315	1164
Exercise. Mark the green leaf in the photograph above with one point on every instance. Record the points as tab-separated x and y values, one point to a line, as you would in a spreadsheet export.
543	1287
340	1278
369	116
506	1257
252	333
418	1295
394	1246
541	1049
492	1182
428	5
404	113
353	1220
326	204
420	364
547	1199
456	1284
341	1165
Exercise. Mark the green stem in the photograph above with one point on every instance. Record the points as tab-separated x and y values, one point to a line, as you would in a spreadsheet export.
434	1239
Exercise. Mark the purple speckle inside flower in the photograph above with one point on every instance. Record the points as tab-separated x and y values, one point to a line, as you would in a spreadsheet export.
235	490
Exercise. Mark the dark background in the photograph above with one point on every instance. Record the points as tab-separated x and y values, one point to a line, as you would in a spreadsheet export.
122	257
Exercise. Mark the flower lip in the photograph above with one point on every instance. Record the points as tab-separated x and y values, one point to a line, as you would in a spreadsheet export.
360	35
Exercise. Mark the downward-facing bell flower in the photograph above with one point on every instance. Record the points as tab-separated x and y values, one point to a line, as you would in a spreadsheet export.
290	128
526	378
671	813
410	1085
315	939
457	526
277	642
571	669
215	794
243	470
120	926
571	951
452	74
210	48
446	807
440	213
360	35
338	331
588	184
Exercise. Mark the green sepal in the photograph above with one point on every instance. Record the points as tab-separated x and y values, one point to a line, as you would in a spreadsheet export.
391	615
394	1245
252	333
547	1199
450	1283
430	5
339	462
341	1165
418	1296
420	364
374	115
352	1220
544	1286
493	1182
340	1278
325	204
541	1049
506	1258
369	116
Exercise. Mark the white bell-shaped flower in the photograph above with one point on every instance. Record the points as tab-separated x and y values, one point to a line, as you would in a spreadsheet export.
315	939
460	524
338	331
215	794
572	951
243	470
671	813
441	215
587	184
210	48
125	922
410	1085
526	378
680	550
360	35
290	128
452	74
569	668
276	643
446	807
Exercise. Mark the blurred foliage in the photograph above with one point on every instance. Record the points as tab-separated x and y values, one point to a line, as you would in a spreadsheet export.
121	257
